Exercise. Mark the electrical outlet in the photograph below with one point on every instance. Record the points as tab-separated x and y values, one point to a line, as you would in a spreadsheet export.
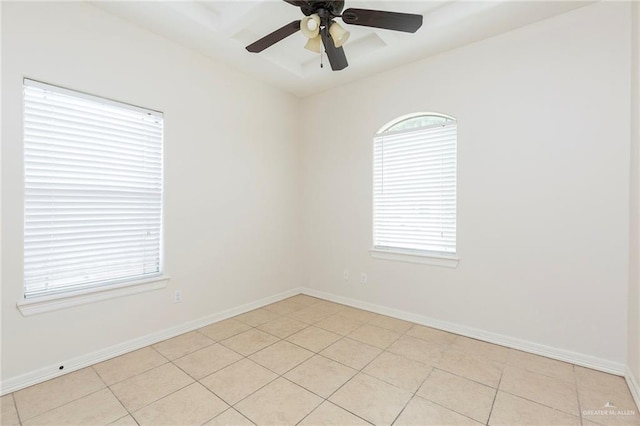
363	278
177	296
345	275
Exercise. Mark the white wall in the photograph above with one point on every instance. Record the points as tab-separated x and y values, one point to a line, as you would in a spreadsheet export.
230	173
543	203
544	182
633	358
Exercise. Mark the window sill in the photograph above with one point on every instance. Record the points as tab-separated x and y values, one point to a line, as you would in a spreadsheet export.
425	259
56	302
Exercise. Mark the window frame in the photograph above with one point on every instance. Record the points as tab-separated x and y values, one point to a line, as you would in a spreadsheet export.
85	292
400	254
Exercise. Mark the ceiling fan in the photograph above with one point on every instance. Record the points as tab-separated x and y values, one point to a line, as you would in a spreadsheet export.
319	27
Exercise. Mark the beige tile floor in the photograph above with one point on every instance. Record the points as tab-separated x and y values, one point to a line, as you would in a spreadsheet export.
308	361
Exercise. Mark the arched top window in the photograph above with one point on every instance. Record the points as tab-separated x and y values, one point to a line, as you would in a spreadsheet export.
414	208
415	121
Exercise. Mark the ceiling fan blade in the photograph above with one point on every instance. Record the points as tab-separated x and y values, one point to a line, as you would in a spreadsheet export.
406	22
297	3
274	37
336	55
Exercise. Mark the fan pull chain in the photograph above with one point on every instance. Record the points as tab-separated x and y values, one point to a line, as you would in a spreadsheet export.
321	57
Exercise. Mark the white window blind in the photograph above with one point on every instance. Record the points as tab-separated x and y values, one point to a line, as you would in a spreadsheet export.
415	189
93	191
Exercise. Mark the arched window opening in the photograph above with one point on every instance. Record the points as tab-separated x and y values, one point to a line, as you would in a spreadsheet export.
414	202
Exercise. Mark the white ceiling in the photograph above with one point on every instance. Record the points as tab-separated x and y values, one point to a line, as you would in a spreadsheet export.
222	29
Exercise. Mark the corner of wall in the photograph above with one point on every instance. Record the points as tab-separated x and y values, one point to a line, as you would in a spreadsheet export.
633	342
634	386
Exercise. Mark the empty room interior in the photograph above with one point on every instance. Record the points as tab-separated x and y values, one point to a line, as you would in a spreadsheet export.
320	212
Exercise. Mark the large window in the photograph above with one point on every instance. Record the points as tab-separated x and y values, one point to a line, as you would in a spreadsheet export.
414	200
93	191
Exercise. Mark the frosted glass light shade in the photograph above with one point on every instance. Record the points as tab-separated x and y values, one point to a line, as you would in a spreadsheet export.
310	25
338	34
314	44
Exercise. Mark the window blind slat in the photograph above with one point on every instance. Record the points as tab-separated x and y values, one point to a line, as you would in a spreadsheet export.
71	266
93	191
415	189
63	115
80	238
93	279
65	152
126	270
78	254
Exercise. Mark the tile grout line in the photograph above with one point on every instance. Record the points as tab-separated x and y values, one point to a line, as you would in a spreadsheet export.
315	353
416	391
433	368
361	372
546	375
330	395
121	404
332	403
155	400
255	391
69	402
575	382
412	397
168	361
194	380
13	398
123	417
228	409
506	364
278	375
385	350
174	392
132	376
230	406
540	403
114	394
496	395
445	407
279	316
463	377
483	384
197	331
65	404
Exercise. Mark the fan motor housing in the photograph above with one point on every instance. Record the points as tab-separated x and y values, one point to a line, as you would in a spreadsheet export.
333	7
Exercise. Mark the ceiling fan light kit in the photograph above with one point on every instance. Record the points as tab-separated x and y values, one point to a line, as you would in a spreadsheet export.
319	27
310	25
338	34
314	44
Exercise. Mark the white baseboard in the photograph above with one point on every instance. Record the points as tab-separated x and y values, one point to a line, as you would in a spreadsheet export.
475	333
13	384
634	386
19	382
